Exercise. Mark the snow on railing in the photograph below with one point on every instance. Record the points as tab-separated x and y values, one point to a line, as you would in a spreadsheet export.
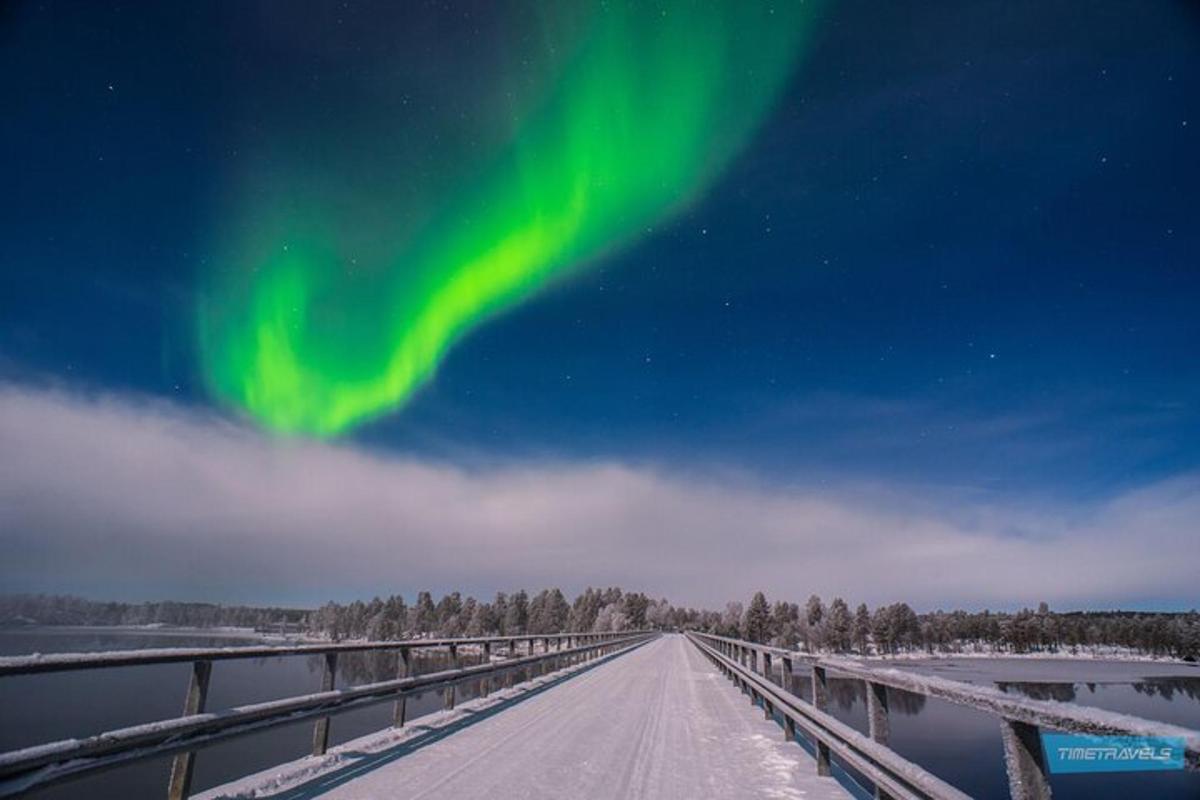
63	662
750	666
41	765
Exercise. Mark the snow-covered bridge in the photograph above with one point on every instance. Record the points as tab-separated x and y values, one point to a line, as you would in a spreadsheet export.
656	722
609	715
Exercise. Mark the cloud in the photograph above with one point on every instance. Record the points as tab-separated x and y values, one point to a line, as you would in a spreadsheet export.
122	497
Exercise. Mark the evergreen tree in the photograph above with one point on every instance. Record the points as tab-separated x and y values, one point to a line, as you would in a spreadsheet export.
814	615
840	625
731	620
538	620
425	617
500	612
556	612
862	628
517	616
814	611
756	626
634	606
785	625
584	610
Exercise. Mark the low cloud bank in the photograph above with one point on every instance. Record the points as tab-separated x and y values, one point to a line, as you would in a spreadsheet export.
125	498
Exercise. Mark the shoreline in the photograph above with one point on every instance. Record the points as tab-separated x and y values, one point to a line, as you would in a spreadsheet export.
225	632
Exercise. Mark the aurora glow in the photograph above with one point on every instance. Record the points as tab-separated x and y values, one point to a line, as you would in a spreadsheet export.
651	103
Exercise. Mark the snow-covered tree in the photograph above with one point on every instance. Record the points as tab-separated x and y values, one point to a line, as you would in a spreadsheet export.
517	616
862	628
839	626
756	625
785	625
731	620
424	614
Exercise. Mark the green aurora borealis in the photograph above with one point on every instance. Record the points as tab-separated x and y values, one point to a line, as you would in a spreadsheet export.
634	122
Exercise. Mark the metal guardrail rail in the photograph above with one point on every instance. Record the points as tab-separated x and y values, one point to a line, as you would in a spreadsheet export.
751	667
38	766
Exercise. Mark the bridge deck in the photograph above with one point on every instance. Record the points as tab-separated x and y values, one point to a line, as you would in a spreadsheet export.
655	723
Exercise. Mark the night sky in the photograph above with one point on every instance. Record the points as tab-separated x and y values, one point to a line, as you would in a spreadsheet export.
938	249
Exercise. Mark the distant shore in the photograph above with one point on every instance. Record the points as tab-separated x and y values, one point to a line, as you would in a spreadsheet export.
1091	654
159	629
1044	669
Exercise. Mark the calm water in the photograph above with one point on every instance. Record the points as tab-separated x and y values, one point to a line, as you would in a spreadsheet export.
36	709
957	744
963	747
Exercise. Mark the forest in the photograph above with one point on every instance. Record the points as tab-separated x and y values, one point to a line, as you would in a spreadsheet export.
814	626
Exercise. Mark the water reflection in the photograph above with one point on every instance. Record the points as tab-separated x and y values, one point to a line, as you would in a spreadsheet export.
1062	692
963	746
1167	688
50	707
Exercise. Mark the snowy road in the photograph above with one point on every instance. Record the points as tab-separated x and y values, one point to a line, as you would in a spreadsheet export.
655	723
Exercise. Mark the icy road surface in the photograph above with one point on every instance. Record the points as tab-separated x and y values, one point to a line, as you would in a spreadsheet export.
658	722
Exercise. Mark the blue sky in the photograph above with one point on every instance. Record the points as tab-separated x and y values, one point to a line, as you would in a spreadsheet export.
958	262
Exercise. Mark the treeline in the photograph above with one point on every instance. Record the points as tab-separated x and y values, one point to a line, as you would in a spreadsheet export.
67	610
896	628
548	611
815	627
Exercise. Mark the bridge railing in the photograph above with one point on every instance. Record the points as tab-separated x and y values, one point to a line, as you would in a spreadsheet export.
752	667
41	765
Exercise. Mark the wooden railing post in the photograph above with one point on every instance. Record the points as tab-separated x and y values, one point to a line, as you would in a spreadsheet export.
767	667
820	687
321	729
787	674
510	675
877	712
400	708
1024	761
193	703
448	696
485	685
877	723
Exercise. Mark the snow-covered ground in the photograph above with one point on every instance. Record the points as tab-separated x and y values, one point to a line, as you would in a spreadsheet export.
658	722
983	650
1043	670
